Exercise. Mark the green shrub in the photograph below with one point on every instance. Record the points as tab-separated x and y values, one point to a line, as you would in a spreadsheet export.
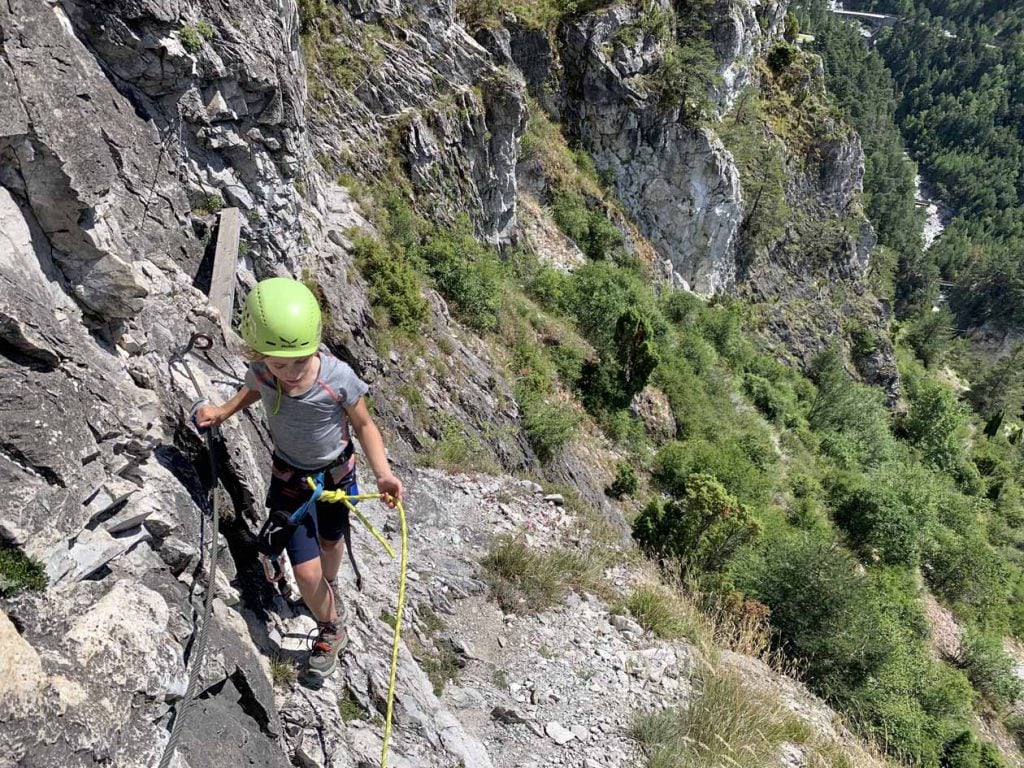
468	274
936	425
595	235
727	461
682	308
702	530
551	288
851	417
625	482
548	425
393	283
962	751
722	326
776	405
780	57
599	294
990	757
19	573
885	514
968	573
823	609
930	335
194	35
615	312
685	77
906	730
989	667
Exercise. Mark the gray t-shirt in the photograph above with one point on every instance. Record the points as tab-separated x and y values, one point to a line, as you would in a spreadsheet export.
309	430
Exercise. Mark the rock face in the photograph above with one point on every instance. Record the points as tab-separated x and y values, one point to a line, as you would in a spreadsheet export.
222	91
678	181
424	87
743	31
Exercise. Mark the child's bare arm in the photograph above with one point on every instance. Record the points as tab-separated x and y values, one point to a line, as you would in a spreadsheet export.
212	415
373	446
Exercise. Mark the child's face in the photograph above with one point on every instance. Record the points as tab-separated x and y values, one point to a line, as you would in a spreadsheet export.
291	370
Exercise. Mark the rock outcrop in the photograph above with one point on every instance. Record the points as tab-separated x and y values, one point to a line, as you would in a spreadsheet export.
676	179
418	85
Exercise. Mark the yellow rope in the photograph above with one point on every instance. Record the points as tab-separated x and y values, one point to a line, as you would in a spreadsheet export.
340	496
394	644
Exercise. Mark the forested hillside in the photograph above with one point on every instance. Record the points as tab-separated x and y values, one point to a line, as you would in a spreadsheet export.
945	83
959	69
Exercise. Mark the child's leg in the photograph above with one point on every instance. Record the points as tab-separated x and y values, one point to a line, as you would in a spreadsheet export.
332	522
304	554
331	553
315	591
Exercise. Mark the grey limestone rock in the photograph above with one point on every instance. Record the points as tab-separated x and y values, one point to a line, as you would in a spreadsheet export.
678	181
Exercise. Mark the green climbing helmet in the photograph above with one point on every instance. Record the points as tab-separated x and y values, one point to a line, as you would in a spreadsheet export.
281	318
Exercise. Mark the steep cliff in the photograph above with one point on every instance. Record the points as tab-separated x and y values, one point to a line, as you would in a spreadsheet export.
766	206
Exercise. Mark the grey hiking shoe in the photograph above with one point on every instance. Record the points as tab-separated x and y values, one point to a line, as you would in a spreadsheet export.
330	640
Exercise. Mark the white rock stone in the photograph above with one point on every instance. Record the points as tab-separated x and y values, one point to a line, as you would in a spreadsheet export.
559	733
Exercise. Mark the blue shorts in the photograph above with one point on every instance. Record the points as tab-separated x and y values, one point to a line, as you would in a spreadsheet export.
327	521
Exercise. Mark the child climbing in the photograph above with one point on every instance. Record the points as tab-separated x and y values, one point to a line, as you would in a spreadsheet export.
311	399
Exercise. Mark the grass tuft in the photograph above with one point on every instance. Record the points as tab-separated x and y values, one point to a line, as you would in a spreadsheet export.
728	723
282	671
664	613
524	580
349	708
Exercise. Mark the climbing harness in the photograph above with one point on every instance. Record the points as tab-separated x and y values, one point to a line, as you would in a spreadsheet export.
347	499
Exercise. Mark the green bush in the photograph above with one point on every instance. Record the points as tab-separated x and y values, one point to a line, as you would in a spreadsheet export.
625	482
393	284
884	514
989	667
968	573
19	573
702	530
468	274
823	609
780	57
551	288
548	425
851	417
936	425
990	757
722	326
962	751
930	335
727	461
595	235
906	730
614	379
194	35
777	405
615	312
